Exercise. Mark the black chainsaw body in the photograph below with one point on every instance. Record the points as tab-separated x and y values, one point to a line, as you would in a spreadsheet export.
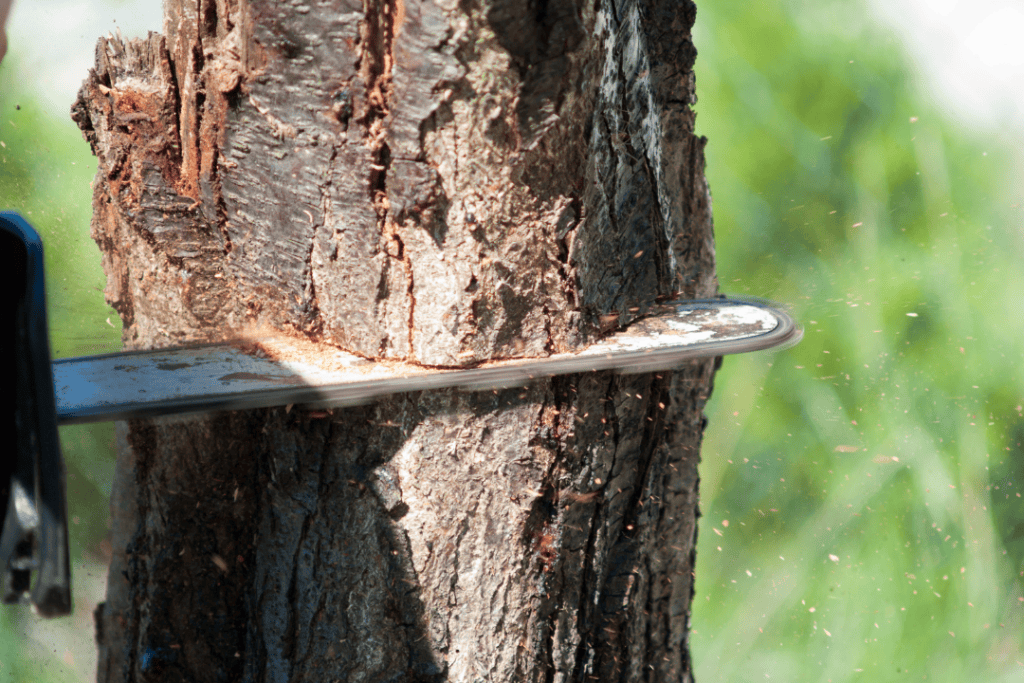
33	525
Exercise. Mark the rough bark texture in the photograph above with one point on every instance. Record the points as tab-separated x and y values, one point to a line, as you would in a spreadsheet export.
435	181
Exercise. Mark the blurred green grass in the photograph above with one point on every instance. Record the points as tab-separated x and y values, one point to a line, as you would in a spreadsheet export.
45	173
861	491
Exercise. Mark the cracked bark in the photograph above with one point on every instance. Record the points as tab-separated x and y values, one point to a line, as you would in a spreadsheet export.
440	182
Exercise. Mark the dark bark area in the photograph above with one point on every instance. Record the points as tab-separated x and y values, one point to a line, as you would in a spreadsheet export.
437	182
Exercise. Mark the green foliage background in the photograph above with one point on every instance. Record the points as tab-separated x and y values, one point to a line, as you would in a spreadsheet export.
861	491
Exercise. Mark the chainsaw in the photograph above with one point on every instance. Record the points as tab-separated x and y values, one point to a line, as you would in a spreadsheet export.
258	371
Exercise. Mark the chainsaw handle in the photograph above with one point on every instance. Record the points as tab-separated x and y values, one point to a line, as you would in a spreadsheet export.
33	525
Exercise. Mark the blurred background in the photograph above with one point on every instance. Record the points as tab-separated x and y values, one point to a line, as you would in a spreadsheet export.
863	518
861	492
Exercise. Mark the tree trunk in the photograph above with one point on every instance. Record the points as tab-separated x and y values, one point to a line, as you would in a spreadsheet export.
439	182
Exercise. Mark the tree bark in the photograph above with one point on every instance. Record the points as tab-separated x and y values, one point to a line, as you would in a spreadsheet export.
432	181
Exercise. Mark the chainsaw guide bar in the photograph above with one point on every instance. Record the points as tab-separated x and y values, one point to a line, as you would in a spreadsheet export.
233	377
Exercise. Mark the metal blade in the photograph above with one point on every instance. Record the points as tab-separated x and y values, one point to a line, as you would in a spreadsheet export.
236	377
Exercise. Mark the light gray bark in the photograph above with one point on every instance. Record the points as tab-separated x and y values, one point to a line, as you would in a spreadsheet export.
439	182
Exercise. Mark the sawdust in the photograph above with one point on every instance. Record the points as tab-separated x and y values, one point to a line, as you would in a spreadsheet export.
292	346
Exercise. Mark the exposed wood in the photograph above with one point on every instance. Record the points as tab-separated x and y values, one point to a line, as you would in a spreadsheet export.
439	183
